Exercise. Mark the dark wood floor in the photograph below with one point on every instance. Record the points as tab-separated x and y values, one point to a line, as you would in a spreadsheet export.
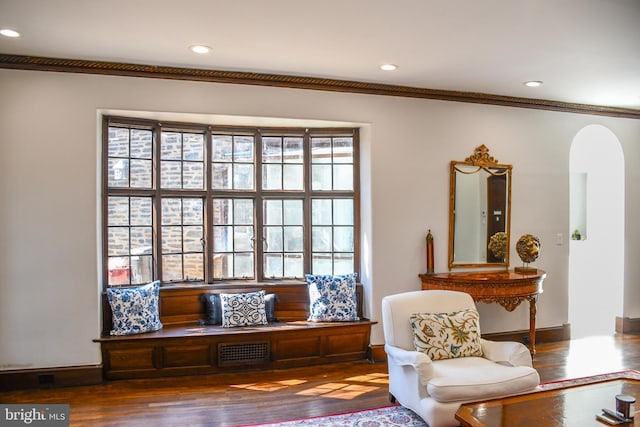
229	400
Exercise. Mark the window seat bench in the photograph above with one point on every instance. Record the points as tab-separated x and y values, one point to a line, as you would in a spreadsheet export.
184	347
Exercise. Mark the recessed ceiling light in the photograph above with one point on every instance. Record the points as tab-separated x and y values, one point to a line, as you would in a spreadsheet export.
8	32
198	48
388	67
533	83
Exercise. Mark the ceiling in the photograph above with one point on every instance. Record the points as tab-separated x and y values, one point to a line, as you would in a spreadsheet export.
585	51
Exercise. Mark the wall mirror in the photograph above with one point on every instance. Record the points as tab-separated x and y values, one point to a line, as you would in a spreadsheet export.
479	211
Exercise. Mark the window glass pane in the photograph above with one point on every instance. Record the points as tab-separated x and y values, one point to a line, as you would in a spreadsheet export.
192	211
293	265
321	177
321	212
171	146
141	211
170	174
244	149
141	144
321	239
343	239
141	173
193	147
141	241
141	269
118	142
343	150
321	264
223	238
293	177
171	239
222	148
119	271
343	264
172	267
292	150
343	211
271	177
171	211
192	238
221	176
243	211
193	266
243	176
343	177
321	150
272	212
242	238
118	210
244	265
118	241
293	239
193	175
293	213
272	150
118	173
273	239
222	266
273	265
222	212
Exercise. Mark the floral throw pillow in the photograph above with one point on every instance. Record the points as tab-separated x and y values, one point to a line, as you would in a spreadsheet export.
332	298
447	335
246	309
134	310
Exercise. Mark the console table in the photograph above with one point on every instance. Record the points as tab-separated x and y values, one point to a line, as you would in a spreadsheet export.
506	287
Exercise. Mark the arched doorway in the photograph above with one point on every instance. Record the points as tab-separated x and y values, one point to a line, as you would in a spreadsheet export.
596	255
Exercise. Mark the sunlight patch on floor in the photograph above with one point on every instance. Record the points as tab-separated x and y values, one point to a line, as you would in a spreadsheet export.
593	355
374	378
338	391
269	386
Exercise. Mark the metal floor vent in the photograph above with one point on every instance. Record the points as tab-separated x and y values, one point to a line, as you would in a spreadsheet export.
243	354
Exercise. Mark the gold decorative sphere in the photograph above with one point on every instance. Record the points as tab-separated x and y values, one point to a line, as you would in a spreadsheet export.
528	248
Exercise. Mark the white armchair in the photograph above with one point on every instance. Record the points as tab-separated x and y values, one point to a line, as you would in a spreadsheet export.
435	389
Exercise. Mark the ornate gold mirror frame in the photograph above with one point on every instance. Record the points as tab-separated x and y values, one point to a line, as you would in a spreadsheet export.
479	211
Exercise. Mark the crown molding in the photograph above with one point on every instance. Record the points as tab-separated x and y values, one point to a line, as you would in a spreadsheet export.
22	62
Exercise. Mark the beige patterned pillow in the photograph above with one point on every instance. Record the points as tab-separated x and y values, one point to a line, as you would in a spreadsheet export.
447	335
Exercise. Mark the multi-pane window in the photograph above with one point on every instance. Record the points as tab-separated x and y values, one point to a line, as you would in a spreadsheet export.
201	203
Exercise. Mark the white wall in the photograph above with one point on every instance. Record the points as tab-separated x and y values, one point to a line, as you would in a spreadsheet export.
49	288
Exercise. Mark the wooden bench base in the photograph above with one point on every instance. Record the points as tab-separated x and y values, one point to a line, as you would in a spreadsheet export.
191	350
182	347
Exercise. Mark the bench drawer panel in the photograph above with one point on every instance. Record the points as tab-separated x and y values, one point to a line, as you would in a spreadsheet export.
347	344
130	358
186	355
297	347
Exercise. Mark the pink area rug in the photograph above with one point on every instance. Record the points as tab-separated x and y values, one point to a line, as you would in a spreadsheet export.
389	416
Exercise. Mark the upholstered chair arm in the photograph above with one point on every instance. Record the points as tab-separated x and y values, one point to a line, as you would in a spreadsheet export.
507	353
420	361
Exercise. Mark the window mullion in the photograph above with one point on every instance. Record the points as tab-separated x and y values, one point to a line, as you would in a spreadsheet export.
258	206
208	210
157	203
306	206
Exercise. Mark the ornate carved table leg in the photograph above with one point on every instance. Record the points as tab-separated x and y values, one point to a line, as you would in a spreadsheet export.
532	323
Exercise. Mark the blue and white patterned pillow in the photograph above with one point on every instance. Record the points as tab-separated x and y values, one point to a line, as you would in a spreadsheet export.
247	309
332	298
135	310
